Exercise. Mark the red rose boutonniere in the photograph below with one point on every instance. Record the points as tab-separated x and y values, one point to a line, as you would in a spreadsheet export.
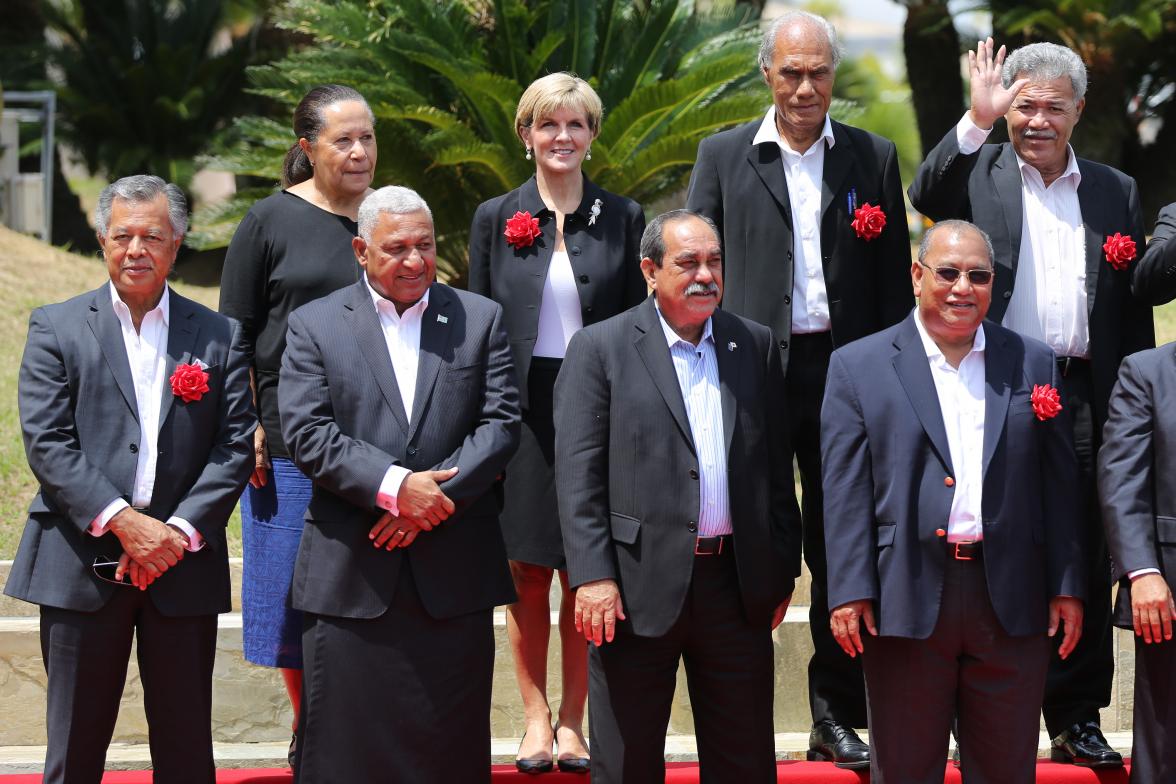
190	382
868	221
521	230
1120	250
1046	401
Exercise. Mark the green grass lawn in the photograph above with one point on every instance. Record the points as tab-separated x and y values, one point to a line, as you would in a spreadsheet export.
32	274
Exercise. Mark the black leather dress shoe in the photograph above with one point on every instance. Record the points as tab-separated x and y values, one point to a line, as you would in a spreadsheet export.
830	742
1083	744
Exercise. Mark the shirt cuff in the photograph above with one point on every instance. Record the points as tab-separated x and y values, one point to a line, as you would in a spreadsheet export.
98	524
390	488
195	540
969	138
1142	572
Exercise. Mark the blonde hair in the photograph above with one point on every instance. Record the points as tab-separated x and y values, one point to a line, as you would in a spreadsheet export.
556	91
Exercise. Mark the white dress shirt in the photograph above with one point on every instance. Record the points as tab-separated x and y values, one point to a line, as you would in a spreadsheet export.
402	335
697	369
559	311
804	172
147	356
1049	291
961	401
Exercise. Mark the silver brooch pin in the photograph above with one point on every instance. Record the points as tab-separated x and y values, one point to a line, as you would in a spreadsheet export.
732	346
594	213
442	319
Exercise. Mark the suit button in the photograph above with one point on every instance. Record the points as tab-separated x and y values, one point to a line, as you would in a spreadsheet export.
1007	294
134	449
692	527
583	278
790	255
940	533
787	300
784	344
575	250
588	309
948	481
693	474
412	450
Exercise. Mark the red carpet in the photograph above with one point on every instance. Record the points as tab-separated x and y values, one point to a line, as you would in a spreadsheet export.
676	773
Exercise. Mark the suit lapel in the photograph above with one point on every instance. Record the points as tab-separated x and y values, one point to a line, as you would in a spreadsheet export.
181	338
914	373
360	315
651	346
838	161
1006	178
108	332
765	160
436	332
728	355
998	386
1093	220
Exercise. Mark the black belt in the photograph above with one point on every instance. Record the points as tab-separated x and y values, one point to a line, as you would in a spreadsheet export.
965	551
1069	365
712	545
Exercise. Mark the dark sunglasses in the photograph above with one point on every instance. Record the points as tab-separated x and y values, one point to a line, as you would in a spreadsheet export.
104	569
949	275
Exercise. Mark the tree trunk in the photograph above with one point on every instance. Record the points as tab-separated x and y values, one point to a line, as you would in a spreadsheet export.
932	49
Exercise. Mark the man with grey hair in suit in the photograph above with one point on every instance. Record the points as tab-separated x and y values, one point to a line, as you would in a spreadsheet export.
398	400
1067	233
137	420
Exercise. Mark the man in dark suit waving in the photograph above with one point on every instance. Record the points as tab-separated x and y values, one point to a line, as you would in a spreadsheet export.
815	245
1065	232
677	509
137	417
1135	480
398	399
950	487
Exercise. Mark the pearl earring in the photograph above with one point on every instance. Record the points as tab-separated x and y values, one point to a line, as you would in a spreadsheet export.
528	153
588	155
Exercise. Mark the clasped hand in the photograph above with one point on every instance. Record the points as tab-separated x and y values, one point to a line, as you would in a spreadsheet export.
421	506
150	547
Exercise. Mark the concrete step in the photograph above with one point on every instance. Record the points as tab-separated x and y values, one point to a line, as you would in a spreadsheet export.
679	748
249	703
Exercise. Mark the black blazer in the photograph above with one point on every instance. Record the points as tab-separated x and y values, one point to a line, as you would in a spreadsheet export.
81	433
345	424
1137	471
985	188
605	257
1155	275
743	189
626	470
884	459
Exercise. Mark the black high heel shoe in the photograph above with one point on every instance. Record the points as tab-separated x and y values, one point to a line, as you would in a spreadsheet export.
577	765
531	766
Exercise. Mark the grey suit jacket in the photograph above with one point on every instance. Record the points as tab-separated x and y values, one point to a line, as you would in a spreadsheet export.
345	424
626	468
985	188
81	433
1137	471
743	189
1155	276
884	462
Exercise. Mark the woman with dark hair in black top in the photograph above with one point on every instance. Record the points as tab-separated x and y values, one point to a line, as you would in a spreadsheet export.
291	248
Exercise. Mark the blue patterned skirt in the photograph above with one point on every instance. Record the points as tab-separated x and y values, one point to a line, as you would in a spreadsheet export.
271	528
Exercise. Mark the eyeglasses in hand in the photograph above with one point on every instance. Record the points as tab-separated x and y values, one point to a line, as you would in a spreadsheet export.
104	569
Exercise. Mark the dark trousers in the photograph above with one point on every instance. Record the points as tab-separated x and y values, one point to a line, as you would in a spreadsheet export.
1153	747
835	685
86	656
1079	686
729	672
968	667
402	698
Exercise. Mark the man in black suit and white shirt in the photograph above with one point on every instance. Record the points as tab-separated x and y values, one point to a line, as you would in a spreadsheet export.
398	400
137	419
800	201
1155	275
1065	231
678	514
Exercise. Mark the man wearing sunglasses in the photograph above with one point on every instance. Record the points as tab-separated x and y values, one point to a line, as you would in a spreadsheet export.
1068	232
950	488
137	420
